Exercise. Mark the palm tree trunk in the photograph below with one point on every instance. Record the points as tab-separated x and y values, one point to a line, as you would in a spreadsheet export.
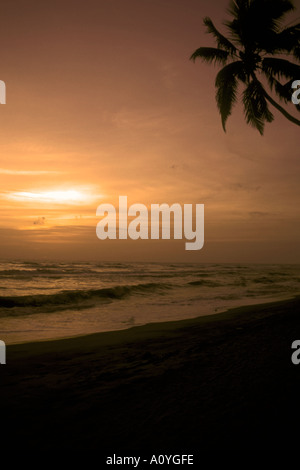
281	109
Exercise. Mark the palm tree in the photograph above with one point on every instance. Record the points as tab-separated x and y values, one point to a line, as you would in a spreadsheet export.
258	48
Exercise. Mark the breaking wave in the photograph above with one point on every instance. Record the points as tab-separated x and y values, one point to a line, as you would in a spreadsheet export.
78	298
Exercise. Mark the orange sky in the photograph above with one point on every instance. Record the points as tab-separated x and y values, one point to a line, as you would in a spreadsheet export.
103	101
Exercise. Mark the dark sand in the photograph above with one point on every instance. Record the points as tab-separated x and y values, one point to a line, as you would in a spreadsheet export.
217	382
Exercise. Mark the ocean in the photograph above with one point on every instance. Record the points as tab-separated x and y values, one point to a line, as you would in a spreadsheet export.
45	300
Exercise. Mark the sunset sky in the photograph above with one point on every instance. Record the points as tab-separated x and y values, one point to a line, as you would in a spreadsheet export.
102	101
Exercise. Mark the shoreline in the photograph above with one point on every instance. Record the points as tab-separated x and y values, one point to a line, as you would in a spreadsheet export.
148	325
222	381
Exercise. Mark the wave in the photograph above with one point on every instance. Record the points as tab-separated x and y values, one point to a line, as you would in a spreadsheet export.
78	298
45	272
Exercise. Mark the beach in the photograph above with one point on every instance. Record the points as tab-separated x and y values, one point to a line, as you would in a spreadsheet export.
51	300
223	381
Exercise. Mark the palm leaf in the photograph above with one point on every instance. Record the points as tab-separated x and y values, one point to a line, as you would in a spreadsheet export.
222	41
226	84
256	22
256	107
297	52
272	11
280	68
287	39
237	8
284	92
210	54
268	13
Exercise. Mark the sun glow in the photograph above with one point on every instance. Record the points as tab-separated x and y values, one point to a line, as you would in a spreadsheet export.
58	197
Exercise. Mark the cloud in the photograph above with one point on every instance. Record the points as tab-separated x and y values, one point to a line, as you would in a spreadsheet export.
4	171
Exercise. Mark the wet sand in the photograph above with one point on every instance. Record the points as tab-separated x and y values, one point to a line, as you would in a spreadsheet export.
224	381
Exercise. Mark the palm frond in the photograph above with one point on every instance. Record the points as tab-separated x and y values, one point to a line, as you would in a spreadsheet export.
222	41
296	52
284	92
238	7
287	39
269	13
210	54
272	10
226	85
256	22
256	107
280	68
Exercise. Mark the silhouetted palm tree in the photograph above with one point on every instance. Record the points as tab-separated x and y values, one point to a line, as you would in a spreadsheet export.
258	46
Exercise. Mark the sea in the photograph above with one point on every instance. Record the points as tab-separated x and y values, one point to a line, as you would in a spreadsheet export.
48	300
